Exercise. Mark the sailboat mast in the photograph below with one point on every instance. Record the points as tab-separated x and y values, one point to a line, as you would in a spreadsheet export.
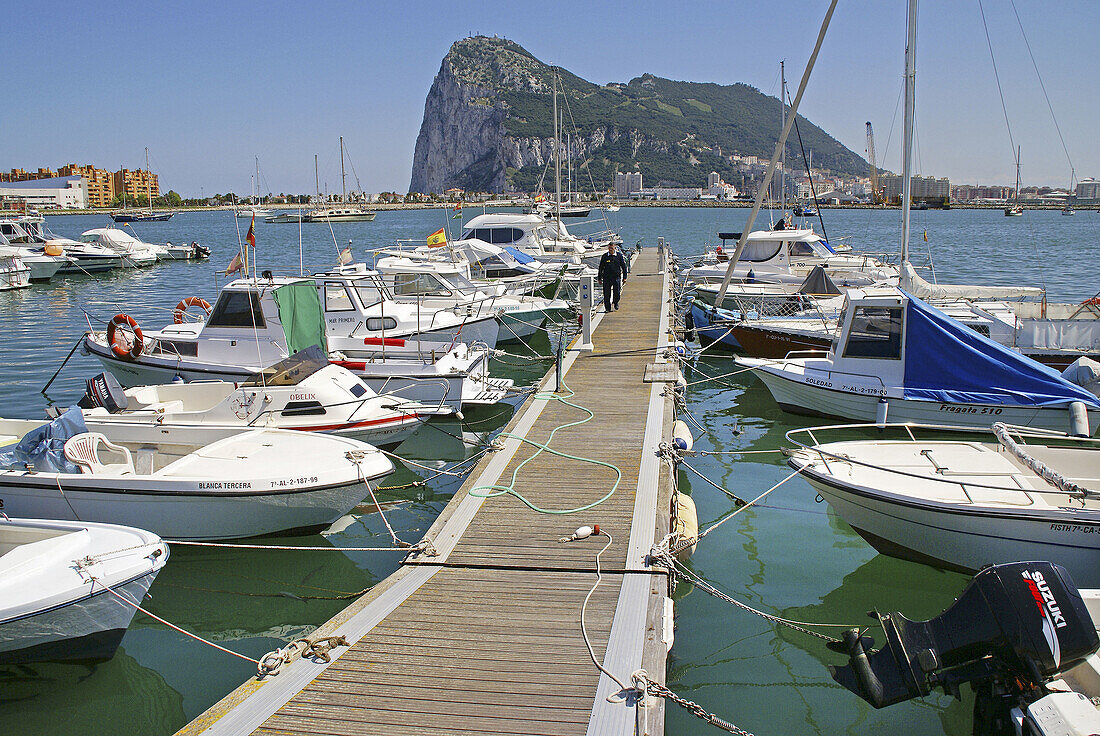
316	176
257	180
343	183
782	125
148	179
1017	175
910	104
557	153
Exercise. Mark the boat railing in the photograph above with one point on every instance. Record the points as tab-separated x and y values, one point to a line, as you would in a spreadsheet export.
815	446
402	384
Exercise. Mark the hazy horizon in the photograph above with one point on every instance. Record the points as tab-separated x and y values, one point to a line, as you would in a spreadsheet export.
208	87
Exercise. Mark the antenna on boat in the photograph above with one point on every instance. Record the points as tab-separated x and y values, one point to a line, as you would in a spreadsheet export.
907	141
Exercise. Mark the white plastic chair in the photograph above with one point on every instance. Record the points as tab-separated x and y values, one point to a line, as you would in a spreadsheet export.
83	449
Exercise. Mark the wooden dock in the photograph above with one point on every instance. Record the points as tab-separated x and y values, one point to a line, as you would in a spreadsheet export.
484	637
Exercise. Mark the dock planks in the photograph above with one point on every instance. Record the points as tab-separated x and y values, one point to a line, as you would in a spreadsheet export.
485	637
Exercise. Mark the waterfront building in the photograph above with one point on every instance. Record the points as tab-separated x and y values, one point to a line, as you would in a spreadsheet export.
68	192
1088	189
921	188
678	193
100	183
134	183
973	192
627	184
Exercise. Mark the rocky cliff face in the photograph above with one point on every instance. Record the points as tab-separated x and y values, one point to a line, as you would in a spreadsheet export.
488	126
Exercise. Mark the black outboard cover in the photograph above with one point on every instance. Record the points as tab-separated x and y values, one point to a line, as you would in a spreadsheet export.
104	390
1022	620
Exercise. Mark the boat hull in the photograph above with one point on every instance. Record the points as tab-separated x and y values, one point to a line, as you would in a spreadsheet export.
964	539
182	509
798	397
87	629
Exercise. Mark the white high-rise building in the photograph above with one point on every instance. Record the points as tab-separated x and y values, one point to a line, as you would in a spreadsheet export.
627	184
714	179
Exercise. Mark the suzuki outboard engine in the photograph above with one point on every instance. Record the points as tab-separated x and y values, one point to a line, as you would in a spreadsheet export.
103	390
1015	627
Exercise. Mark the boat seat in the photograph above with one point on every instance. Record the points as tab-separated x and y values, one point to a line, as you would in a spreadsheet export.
83	449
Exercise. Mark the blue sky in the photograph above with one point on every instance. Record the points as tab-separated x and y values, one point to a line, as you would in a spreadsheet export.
208	86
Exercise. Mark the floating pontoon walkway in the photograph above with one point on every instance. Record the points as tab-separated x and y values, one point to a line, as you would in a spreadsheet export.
485	636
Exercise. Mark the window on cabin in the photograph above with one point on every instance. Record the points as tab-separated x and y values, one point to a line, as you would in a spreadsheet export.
420	284
337	298
368	293
237	309
505	235
377	324
875	333
761	250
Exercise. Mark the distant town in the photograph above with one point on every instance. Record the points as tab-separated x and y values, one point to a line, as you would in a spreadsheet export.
73	187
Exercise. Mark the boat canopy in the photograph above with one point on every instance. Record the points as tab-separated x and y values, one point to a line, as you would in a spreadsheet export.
43	448
301	314
818	283
912	282
520	255
949	362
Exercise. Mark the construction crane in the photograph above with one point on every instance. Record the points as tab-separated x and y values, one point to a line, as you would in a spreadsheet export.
874	169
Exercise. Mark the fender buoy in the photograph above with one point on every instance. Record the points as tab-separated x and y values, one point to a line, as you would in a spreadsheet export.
191	301
121	344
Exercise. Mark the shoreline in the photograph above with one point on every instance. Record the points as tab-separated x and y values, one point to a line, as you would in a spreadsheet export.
670	204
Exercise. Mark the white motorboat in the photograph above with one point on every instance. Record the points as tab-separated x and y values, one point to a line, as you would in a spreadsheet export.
787	257
173	482
184	252
1017	494
896	358
340	213
546	240
54	580
258	322
82	258
15	242
358	305
303	392
255	211
14	274
441	285
134	253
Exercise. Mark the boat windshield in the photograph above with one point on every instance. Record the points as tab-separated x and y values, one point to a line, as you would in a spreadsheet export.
290	371
808	248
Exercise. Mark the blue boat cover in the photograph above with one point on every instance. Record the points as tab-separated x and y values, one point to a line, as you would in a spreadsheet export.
519	255
826	244
949	362
43	448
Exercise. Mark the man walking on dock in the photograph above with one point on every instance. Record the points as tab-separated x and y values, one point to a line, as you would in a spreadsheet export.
612	275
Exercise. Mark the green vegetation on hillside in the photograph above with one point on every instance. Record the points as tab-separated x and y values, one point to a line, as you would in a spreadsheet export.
687	129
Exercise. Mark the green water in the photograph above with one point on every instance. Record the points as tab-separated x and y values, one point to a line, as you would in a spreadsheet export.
790	556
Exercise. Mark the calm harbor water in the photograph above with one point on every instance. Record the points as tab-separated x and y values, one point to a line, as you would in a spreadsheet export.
791	556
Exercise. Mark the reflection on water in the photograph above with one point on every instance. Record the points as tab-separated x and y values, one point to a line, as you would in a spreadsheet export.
788	556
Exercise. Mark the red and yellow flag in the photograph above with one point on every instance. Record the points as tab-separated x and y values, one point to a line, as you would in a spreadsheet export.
251	236
235	265
438	238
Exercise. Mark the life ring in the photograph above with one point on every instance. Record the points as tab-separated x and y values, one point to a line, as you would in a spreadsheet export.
191	301
1093	302
121	345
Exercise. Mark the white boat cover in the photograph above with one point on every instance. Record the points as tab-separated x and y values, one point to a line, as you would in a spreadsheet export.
912	282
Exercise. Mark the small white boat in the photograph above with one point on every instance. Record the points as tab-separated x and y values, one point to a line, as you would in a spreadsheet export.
258	322
173	482
255	211
14	274
135	253
897	359
81	258
14	241
1018	495
303	392
50	606
434	285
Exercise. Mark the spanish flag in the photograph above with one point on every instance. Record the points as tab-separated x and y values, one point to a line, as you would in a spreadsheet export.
438	238
540	198
251	236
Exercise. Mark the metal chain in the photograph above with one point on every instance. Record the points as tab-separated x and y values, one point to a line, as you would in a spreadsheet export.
699	582
653	688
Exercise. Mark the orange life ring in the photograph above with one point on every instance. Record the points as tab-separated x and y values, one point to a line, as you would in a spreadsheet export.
121	345
191	301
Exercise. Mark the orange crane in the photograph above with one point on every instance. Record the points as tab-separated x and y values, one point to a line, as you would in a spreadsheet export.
875	198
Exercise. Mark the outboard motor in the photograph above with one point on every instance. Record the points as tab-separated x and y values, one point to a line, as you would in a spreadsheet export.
1014	628
200	252
104	390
